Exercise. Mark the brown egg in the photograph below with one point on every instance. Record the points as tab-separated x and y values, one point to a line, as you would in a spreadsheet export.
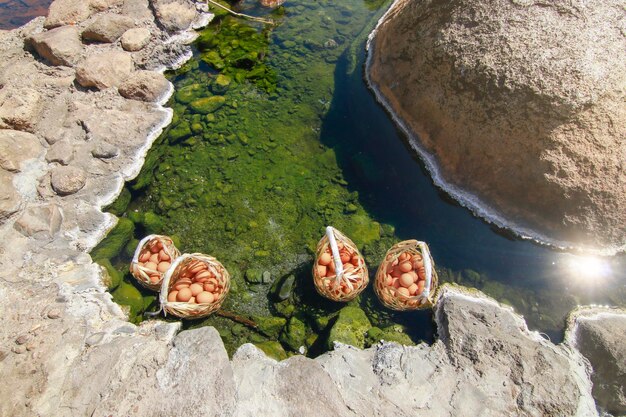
388	280
403	292
154	278
329	273
182	283
414	275
396	273
395	283
145	256
154	258
205	297
213	281
163	266
198	267
406	280
151	266
154	248
404	257
420	287
171	297
196	289
413	289
324	259
331	267
203	275
340	245
183	295
355	260
418	264
405	266
348	267
163	256
345	258
209	287
421	273
321	270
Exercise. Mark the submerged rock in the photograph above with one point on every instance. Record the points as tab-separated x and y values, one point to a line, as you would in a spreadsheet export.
270	326
115	240
520	103
349	328
207	105
294	334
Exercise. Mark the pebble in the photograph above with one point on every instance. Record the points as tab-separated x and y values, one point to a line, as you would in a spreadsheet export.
94	339
19	349
54	313
22	339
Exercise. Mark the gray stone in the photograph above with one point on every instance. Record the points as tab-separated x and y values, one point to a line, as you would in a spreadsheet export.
108	69
67	180
39	222
59	46
145	86
54	313
137	9
135	39
61	152
67	12
17	147
19	108
105	150
20	349
9	198
600	338
107	28
23	339
175	15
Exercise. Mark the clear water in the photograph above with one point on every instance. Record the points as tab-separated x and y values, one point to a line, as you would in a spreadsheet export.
301	143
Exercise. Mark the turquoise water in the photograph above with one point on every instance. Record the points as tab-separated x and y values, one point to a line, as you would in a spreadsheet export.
288	140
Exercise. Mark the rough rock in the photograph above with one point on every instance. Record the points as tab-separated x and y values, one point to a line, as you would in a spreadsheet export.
107	28
135	39
102	5
67	180
105	151
175	15
599	335
19	108
67	12
104	70
9	198
59	46
145	86
61	152
137	9
40	222
17	147
519	103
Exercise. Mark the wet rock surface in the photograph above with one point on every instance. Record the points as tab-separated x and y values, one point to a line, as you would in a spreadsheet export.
507	98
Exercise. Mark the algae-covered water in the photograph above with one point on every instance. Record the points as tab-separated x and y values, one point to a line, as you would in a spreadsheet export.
275	136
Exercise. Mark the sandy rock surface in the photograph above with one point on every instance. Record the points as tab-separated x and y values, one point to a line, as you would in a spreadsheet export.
67	350
59	46
518	107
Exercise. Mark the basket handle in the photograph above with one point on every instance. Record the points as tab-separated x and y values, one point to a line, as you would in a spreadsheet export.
428	269
166	280
330	233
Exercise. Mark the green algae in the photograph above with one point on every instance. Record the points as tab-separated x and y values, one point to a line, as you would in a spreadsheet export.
115	241
272	349
350	327
113	277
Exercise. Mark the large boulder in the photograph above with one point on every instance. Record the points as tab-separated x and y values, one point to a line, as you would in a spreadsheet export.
107	28
145	86
521	103
67	12
108	69
59	46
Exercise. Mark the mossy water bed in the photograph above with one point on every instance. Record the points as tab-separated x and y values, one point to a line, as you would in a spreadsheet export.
268	145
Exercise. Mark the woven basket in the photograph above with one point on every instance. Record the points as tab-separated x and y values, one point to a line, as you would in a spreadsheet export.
194	269
392	286
148	275
352	277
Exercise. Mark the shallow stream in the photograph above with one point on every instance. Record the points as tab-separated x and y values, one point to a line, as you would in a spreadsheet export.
288	139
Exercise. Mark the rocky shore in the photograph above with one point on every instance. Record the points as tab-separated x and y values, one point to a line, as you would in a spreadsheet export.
516	108
80	105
